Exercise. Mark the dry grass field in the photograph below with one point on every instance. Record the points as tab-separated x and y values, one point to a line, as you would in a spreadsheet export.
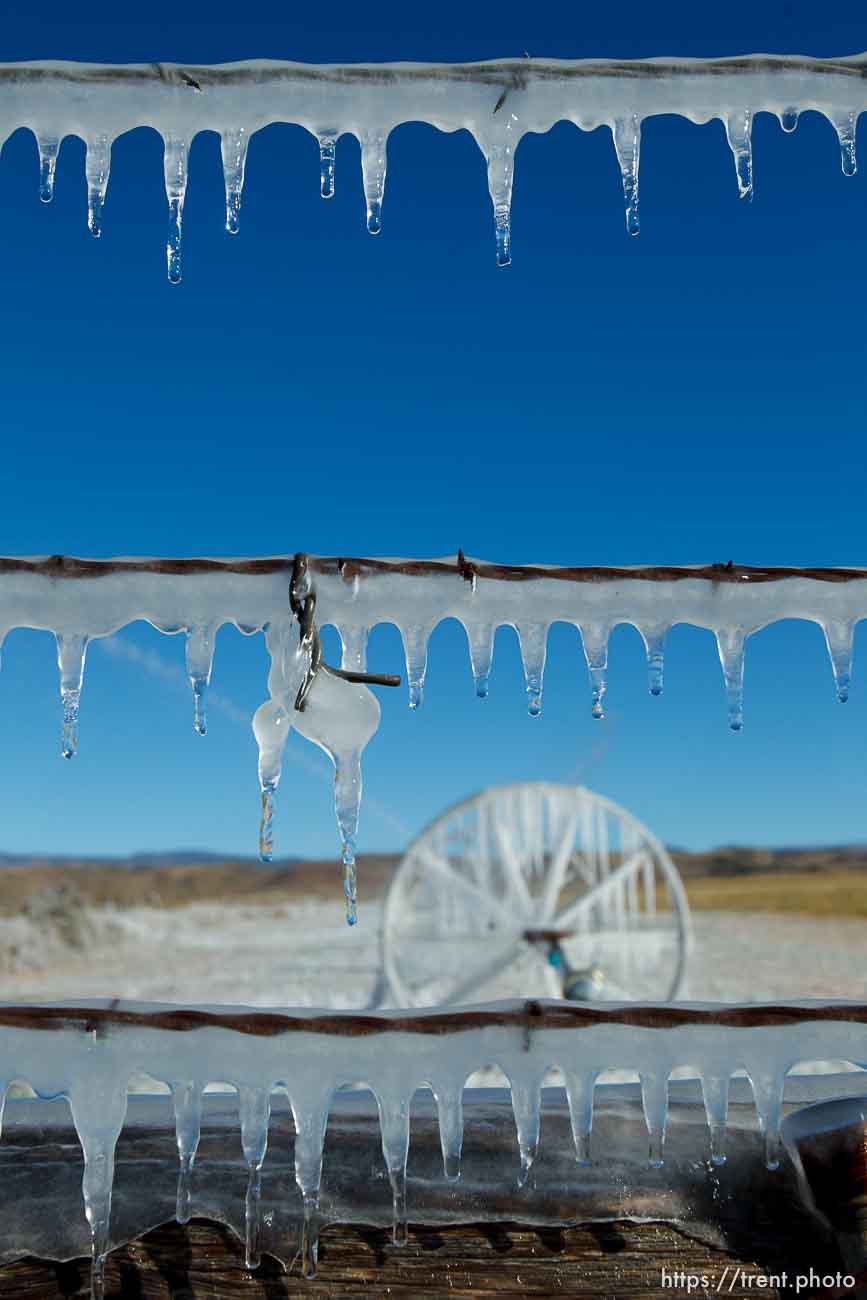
838	892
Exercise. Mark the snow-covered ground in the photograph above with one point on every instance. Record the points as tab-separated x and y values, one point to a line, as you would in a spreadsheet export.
303	953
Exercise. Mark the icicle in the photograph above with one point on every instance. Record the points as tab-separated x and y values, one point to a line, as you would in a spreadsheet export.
499	152
200	658
353	641
394	1127
739	127
233	148
373	161
187	1098
715	1089
96	166
789	119
627	142
481	642
271	727
340	717
272	721
845	125
175	168
327	156
654	644
415	652
595	639
98	1105
266	821
254	1107
768	1093
526	1100
730	643
450	1109
311	1119
533	638
48	146
71	650
579	1093
839	638
654	1099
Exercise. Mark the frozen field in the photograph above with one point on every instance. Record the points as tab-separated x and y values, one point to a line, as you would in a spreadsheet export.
303	953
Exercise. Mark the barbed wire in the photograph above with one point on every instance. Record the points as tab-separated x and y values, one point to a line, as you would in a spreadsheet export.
302	603
351	568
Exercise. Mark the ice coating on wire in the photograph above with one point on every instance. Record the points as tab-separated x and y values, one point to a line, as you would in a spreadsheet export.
498	102
81	600
88	1052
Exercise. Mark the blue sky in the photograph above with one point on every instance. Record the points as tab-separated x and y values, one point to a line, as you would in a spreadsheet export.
691	395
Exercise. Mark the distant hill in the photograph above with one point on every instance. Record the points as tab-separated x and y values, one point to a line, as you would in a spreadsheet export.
740	860
184	876
167	880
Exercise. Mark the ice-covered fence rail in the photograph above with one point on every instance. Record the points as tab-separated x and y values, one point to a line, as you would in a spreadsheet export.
79	600
87	1052
498	102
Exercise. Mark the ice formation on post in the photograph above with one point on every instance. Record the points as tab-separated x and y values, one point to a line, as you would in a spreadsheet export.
88	1053
79	600
498	102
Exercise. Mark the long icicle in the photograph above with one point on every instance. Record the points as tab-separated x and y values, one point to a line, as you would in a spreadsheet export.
97	167
739	128
175	168
233	149
627	142
187	1101
254	1106
839	638
48	146
71	652
373	165
533	638
730	643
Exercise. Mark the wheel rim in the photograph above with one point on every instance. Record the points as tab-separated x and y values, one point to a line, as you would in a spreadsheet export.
518	857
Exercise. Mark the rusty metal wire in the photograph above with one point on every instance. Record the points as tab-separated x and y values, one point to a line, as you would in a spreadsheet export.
302	602
351	567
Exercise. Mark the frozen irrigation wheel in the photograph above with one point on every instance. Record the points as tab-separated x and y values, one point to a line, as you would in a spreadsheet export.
481	893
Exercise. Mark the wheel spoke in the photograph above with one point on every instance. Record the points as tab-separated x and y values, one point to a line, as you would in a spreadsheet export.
513	866
582	905
557	870
489	902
